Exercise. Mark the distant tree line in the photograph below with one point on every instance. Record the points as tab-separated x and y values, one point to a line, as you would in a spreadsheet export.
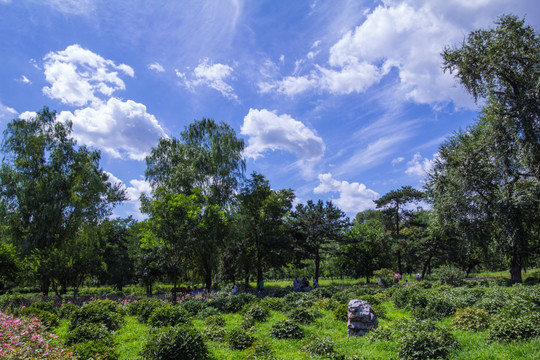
207	222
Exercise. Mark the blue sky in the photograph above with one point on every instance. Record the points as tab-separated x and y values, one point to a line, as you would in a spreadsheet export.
338	100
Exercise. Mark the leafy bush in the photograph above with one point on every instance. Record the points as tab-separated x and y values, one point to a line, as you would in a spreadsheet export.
380	333
260	351
423	340
328	304
379	310
471	319
248	323
44	305
304	316
386	275
286	329
239	339
493	300
194	305
104	312
449	275
144	307
215	320
168	315
342	312
174	343
324	292
232	304
257	312
47	318
296	300
403	296
90	332
94	350
214	333
273	303
321	346
506	329
64	311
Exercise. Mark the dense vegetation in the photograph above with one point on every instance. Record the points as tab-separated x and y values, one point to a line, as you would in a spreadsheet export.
207	223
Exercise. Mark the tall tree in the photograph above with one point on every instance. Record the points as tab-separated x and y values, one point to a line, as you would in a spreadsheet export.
395	205
263	214
318	225
51	188
208	156
497	162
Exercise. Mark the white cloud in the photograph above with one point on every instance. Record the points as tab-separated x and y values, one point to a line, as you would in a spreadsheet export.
25	80
78	76
398	160
420	166
268	131
133	193
27	115
156	67
123	129
353	197
72	7
211	75
7	113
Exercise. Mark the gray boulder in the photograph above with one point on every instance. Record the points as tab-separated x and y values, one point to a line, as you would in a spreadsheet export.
361	318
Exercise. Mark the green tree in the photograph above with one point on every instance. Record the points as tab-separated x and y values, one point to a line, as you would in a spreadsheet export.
495	165
51	188
208	156
318	226
395	205
263	214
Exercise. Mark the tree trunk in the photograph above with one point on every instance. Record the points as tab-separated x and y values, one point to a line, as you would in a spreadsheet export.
399	261
515	269
317	264
208	279
426	265
44	285
174	292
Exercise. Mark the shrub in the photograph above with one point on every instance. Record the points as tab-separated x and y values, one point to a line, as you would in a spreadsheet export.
507	329
104	312
44	305
239	339
449	275
47	318
214	333
94	350
168	315
286	329
328	304
215	320
386	275
273	303
423	340
90	332
403	295
471	319
64	311
257	312
321	346
342	312
248	323
379	310
324	292
493	300
260	351
144	307
174	343
296	300
380	333
304	316
194	305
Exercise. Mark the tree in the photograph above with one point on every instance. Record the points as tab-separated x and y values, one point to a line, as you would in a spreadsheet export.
208	157
394	205
51	188
494	168
318	225
263	215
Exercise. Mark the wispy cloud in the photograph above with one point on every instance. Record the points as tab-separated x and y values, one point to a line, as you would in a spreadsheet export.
157	67
211	75
353	197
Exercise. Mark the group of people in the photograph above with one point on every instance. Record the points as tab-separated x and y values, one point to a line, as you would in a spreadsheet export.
303	285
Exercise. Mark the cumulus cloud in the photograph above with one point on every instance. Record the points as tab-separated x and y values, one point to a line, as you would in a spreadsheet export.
133	192
353	197
6	112
211	75
123	129
26	115
156	67
268	131
25	80
398	160
419	166
78	76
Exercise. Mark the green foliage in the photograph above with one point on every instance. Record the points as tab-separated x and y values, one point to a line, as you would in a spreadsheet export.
260	350
104	312
168	315
506	329
174	343
322	346
471	319
328	304
273	303
65	310
143	308
91	332
215	320
380	333
386	276
239	339
304	316
419	340
194	305
286	329
47	318
93	350
341	312
449	275
257	312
